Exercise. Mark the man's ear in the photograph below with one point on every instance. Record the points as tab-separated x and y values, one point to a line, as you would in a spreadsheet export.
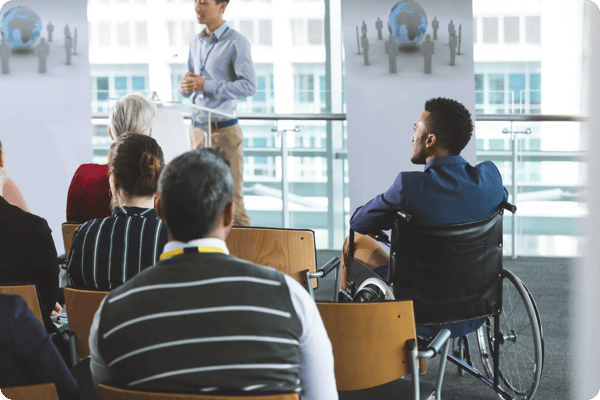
431	139
228	214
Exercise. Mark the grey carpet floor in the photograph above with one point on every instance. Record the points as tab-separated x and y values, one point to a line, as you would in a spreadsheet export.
549	281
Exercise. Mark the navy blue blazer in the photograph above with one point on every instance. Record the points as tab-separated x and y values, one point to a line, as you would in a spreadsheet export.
27	355
448	191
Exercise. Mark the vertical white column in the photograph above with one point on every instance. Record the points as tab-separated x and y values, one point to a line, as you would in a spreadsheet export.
159	71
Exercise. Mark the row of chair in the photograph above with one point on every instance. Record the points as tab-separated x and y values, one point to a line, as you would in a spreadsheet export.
373	344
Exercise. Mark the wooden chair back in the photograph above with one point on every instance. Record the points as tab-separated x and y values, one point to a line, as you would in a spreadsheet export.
81	307
112	393
45	391
290	251
68	231
29	294
369	341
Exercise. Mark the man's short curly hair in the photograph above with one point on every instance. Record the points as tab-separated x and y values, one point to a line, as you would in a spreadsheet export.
450	122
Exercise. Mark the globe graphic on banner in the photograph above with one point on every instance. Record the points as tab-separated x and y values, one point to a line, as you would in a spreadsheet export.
21	27
408	22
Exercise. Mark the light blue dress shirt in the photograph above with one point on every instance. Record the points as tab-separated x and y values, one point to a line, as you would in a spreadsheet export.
229	69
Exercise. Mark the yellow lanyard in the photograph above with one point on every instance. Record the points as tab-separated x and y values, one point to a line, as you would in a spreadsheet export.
200	249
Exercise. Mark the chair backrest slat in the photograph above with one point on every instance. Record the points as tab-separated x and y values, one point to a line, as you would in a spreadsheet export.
45	391
369	341
29	294
68	231
113	393
290	251
81	307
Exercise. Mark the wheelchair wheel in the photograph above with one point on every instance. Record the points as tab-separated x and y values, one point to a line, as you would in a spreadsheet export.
521	347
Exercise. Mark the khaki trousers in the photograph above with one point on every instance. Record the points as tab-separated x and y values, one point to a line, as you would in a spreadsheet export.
231	141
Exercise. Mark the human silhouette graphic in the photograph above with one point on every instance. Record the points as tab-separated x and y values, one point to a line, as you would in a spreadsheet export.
379	27
365	46
427	49
450	27
67	32
5	52
459	38
453	44
41	51
75	43
50	29
358	41
68	48
435	24
391	49
364	28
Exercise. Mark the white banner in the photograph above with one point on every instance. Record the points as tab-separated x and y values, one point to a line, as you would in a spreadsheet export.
388	83
46	107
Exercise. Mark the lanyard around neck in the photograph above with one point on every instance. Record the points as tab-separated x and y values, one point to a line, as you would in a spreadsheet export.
211	49
186	250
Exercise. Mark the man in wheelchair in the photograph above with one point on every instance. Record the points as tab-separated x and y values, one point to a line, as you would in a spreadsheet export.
448	191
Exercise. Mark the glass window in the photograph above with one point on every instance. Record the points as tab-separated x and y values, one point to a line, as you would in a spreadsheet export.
265	32
315	31
138	83
516	84
490	29
247	29
104	38
123	33
141	34
479	88
535	86
297	32
511	29
306	88
496	85
102	89
323	87
121	86
532	30
261	89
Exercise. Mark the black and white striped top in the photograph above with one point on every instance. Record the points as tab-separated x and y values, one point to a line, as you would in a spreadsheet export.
107	252
203	322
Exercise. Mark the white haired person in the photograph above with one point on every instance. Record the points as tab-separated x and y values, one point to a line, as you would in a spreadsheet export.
89	193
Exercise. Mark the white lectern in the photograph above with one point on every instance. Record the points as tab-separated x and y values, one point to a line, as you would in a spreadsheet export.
204	116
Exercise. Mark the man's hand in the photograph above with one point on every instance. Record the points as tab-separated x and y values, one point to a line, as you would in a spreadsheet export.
57	310
191	83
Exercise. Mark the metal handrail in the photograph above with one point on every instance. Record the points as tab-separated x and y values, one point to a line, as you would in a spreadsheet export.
342	117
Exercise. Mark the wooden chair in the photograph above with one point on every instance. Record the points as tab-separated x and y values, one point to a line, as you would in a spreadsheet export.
81	306
113	393
45	391
291	251
29	294
68	231
374	344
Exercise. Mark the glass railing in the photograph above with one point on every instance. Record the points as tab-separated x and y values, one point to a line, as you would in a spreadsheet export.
296	175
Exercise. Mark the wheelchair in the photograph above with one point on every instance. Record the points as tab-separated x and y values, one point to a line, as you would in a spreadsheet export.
454	276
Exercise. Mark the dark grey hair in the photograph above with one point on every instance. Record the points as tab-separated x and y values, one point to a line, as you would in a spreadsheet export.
194	189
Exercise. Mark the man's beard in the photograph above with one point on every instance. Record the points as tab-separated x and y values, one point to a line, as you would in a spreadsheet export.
418	158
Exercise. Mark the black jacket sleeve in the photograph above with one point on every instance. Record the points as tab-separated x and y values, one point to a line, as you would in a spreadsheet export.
43	269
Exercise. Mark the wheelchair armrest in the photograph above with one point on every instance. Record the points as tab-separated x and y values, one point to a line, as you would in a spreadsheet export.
436	344
404	215
507	206
380	236
330	266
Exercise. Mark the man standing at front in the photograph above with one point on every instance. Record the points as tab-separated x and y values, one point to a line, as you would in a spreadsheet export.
220	72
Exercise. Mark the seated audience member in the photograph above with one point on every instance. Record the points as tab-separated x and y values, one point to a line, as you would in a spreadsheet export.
89	196
217	324
107	252
8	188
448	191
29	357
28	254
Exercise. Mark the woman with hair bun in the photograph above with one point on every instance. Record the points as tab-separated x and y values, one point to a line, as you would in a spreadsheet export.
89	192
107	252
